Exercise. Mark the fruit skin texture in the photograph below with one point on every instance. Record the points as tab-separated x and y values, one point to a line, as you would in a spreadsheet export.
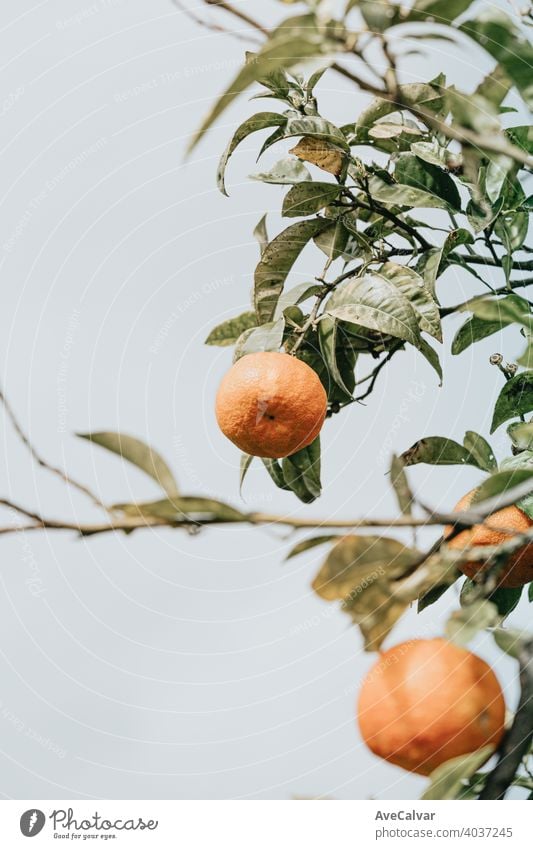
519	568
426	701
271	404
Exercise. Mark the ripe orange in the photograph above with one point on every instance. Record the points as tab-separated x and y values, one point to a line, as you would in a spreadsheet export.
519	568
271	404
426	701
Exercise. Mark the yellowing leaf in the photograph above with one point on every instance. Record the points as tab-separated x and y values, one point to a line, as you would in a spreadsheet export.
318	152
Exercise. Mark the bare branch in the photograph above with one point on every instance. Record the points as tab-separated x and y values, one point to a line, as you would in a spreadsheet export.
24	438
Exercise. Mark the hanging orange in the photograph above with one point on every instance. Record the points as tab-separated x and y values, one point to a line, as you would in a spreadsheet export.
271	404
518	569
426	701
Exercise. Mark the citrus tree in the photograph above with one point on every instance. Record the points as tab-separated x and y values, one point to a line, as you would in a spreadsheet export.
426	178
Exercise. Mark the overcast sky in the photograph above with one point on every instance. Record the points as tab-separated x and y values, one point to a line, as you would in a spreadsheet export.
162	665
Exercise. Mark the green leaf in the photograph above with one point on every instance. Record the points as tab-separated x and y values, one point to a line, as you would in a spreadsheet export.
433	153
429	266
510	641
327	340
441	11
508	310
246	462
287	171
301	472
299	293
183	509
431	596
497	34
138	453
307	544
473	330
277	260
315	127
229	331
480	449
411	171
257	122
268	337
308	198
447	781
413	287
515	399
401	485
375	303
521	435
438	451
463	625
333	240
432	357
273	468
397	194
506	599
501	482
282	50
357	572
260	233
495	86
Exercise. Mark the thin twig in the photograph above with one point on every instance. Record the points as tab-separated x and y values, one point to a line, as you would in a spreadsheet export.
24	438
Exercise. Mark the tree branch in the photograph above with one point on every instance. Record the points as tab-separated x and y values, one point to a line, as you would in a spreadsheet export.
60	473
517	740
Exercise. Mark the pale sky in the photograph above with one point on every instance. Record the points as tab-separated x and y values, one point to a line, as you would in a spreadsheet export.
161	665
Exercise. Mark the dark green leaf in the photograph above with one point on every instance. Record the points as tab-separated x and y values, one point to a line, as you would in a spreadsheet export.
278	258
480	449
273	468
516	398
138	453
431	596
432	357
397	194
438	451
251	125
472	331
411	171
506	599
229	331
327	340
301	472
308	198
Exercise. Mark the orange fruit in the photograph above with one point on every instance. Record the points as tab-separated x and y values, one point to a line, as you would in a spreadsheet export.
426	701
519	567
271	404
